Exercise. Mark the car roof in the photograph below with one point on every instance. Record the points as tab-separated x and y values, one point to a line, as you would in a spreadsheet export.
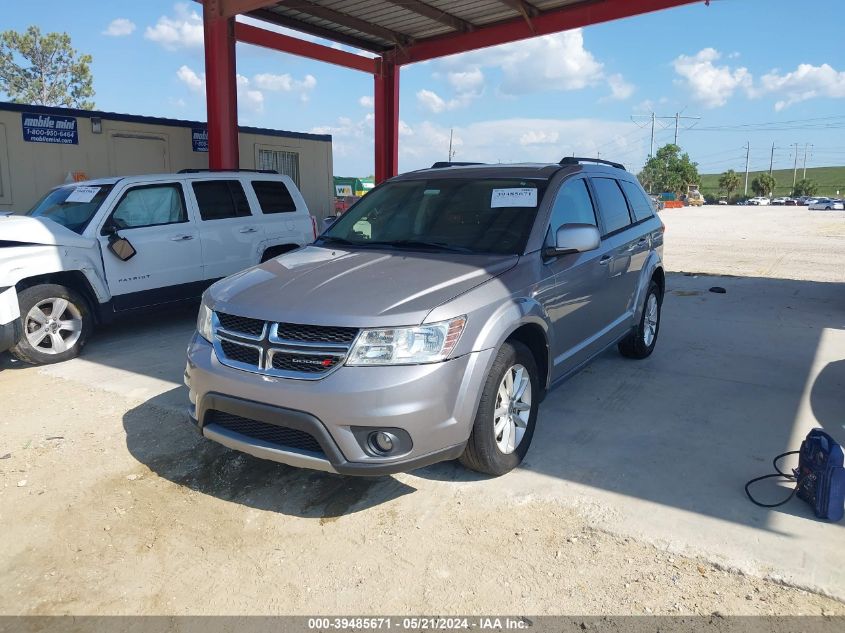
171	176
542	171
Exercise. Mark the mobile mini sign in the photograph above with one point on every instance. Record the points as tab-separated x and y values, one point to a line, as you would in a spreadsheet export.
46	128
199	139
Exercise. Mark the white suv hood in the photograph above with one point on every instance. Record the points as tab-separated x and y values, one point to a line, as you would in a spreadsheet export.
28	230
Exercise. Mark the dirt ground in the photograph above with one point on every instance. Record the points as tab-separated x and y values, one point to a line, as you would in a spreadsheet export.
111	504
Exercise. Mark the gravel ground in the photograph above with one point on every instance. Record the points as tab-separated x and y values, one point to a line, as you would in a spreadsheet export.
111	504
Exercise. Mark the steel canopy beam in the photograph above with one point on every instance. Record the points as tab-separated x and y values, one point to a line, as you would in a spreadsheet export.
249	34
278	19
344	19
547	22
221	91
433	13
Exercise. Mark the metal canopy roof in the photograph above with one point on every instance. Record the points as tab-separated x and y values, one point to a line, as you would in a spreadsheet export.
392	26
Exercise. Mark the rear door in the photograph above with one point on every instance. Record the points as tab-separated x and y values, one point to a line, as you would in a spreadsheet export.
621	240
285	217
167	265
229	231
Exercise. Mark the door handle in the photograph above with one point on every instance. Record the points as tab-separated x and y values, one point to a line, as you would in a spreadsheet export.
248	229
605	260
181	238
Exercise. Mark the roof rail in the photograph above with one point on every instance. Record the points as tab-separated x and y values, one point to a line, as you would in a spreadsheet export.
577	160
444	163
204	171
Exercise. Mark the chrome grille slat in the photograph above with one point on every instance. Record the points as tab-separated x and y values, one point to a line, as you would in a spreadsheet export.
284	350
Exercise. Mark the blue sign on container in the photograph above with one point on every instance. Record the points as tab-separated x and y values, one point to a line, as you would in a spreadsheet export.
199	139
47	128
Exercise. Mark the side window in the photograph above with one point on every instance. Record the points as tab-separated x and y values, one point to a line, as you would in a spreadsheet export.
273	196
150	206
640	204
220	199
612	204
573	205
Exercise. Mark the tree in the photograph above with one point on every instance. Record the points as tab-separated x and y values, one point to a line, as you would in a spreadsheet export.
764	185
805	187
729	182
44	70
669	170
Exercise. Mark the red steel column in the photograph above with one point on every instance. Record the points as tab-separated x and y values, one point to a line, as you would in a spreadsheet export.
221	90
386	99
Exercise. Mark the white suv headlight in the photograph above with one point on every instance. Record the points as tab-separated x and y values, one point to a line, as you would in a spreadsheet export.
428	343
204	327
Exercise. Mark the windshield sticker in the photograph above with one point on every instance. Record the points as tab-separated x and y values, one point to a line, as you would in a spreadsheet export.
431	192
83	194
515	197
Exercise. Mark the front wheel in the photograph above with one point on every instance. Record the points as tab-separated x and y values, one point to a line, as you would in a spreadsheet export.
642	339
507	413
55	324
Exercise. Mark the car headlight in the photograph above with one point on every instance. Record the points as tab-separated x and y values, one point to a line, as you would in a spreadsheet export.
428	343
204	327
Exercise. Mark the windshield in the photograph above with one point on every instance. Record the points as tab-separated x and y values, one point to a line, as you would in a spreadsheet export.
452	214
72	206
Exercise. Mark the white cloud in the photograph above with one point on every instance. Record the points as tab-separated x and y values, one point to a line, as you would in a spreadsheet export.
711	85
249	98
119	27
619	88
285	83
431	101
803	83
183	30
366	102
539	137
471	80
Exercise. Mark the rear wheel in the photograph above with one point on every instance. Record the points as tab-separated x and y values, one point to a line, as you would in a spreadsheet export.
642	339
507	413
55	324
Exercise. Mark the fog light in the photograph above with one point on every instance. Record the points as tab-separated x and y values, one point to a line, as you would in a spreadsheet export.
382	442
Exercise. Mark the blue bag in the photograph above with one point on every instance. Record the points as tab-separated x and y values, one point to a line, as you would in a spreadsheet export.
819	478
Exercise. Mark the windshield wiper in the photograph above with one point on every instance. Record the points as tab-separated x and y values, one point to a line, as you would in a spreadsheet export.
442	246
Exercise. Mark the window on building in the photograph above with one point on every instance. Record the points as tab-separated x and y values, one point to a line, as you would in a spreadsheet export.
273	196
286	163
220	199
612	205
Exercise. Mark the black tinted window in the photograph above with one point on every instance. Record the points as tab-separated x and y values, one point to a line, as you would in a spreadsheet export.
273	196
612	205
640	204
219	199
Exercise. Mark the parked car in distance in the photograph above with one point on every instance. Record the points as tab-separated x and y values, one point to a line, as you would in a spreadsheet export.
722	202
759	201
429	320
790	202
826	204
88	252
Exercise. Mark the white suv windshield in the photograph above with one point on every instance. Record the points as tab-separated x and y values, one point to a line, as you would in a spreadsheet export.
72	206
453	214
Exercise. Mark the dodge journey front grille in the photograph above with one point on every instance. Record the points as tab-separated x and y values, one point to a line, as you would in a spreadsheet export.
286	350
281	436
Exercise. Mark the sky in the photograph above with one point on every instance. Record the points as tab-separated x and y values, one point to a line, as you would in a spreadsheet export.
742	71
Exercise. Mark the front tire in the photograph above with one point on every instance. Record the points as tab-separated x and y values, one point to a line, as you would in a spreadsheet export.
507	413
55	324
640	342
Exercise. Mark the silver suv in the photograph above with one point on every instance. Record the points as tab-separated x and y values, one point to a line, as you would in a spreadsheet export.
429	320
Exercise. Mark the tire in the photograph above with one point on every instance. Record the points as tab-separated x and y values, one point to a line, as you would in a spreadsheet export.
642	339
486	450
69	331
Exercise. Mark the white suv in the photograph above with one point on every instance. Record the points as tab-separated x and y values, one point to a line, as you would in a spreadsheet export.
93	250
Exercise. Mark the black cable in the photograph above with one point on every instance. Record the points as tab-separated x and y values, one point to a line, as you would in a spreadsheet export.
779	473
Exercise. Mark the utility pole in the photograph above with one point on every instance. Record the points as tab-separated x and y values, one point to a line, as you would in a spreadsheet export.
772	160
651	153
795	168
747	156
678	118
451	153
653	119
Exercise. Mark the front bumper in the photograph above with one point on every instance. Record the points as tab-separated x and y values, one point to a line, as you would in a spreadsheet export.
9	314
434	404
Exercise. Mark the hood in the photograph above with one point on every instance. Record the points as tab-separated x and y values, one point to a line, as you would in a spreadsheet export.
24	229
362	288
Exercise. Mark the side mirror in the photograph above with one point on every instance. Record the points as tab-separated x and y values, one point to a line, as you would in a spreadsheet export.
121	247
574	238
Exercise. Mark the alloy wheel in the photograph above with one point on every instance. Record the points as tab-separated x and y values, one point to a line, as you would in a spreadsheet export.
53	326
513	408
650	320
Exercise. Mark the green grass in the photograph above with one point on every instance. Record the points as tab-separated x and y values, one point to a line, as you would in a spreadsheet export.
829	179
